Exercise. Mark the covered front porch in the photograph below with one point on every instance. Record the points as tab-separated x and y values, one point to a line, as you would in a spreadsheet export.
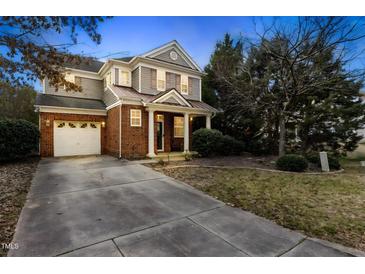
170	130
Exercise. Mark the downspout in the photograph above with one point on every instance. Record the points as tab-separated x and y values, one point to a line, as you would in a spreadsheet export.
120	130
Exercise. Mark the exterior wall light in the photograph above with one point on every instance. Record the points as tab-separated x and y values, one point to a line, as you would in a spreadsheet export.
191	119
48	123
102	124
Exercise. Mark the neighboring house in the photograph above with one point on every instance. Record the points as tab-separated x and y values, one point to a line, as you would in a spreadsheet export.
128	107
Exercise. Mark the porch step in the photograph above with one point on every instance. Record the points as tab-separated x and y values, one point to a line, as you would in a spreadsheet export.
171	156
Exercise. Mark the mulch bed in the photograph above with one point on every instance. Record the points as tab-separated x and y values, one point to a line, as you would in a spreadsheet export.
15	180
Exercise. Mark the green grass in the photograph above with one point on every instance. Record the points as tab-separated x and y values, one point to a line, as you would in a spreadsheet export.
331	207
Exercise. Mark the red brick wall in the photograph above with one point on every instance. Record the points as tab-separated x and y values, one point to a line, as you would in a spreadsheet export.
46	141
112	132
134	139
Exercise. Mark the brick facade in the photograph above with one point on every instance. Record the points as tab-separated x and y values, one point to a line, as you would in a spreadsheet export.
46	140
134	141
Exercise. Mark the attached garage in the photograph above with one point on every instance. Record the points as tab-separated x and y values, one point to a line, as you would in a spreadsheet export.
76	138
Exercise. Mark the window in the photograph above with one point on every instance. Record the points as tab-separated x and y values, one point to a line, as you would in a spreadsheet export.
184	84
178	127
161	80
136	118
124	78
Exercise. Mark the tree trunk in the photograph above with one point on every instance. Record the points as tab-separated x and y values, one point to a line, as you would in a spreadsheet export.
282	136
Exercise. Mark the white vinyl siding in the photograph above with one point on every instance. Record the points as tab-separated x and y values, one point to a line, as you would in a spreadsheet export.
178	127
184	84
136	118
161	80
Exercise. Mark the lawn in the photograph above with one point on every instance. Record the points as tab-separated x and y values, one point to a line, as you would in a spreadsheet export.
330	207
15	179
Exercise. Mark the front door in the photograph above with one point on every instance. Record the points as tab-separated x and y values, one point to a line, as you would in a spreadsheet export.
160	136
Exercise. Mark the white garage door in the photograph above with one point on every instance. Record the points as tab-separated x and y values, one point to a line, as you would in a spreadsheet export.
76	138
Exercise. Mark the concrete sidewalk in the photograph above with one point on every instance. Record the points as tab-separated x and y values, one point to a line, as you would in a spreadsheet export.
100	206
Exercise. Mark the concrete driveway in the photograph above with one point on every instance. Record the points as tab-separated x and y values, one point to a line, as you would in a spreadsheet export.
100	206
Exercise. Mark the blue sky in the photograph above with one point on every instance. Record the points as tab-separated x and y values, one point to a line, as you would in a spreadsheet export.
128	36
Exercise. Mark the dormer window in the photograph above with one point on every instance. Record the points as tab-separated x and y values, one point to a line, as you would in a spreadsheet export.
161	80
184	84
124	78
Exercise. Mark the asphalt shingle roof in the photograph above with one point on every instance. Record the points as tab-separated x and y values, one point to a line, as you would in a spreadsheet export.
87	64
125	59
128	92
68	102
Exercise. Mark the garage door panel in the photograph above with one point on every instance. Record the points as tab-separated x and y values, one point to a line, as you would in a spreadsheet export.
76	138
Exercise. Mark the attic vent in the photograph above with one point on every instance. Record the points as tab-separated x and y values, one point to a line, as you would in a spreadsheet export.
173	55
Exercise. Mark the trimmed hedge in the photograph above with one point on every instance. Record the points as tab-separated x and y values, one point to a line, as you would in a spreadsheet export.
18	139
292	162
333	161
210	142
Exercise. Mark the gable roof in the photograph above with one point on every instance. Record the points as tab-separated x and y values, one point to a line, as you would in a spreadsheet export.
164	96
173	44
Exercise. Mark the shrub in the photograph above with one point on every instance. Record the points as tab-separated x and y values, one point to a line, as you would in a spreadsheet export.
209	142
229	146
292	162
18	139
206	141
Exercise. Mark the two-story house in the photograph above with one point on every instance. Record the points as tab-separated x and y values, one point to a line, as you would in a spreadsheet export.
128	107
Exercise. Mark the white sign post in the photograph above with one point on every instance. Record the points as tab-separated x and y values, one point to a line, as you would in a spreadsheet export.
324	161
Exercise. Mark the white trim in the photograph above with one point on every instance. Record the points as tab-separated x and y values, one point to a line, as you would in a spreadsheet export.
84	73
151	134
175	94
140	79
71	110
140	117
186	132
172	43
114	105
178	109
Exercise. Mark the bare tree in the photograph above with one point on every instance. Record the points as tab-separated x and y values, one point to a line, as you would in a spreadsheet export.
28	55
292	49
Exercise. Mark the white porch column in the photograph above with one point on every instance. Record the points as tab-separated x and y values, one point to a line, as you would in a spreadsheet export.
186	132
207	121
151	134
